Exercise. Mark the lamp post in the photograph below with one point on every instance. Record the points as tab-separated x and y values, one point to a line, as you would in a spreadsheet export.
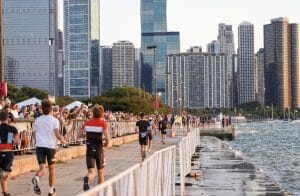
154	88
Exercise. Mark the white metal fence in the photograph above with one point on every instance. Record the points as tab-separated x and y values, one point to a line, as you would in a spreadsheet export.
156	175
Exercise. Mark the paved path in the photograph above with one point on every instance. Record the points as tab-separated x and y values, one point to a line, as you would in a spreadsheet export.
69	175
224	172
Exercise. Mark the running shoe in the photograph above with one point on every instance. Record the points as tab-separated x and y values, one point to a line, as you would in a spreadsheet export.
5	194
52	194
86	185
36	187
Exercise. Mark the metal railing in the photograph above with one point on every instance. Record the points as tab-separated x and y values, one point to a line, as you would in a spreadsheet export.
156	175
71	132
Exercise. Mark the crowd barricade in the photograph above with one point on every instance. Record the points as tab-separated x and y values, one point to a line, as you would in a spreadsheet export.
156	175
153	177
71	130
187	147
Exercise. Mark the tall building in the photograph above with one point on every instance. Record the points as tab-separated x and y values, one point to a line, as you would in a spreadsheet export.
246	63
281	44
226	46
154	33
59	81
30	29
123	63
260	76
106	65
82	48
197	80
213	47
195	49
137	68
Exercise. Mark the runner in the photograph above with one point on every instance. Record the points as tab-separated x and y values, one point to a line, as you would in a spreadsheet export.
150	135
46	129
142	128
8	137
163	128
94	146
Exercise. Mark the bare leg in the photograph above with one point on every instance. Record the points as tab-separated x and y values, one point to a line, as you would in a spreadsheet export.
100	176
4	180
52	175
41	170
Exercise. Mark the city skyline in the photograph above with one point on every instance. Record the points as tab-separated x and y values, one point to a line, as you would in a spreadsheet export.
122	22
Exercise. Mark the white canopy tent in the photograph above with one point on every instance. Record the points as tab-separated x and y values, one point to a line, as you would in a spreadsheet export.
27	102
74	104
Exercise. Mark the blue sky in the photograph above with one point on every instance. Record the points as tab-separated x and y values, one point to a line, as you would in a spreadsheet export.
197	20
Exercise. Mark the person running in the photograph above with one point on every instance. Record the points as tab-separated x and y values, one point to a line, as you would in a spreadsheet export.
150	135
46	129
8	137
163	128
95	128
142	128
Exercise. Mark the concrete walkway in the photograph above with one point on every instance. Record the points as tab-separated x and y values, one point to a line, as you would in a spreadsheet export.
224	172
69	175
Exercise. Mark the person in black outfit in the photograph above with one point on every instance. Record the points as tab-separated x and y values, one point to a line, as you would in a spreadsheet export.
8	137
163	122
142	128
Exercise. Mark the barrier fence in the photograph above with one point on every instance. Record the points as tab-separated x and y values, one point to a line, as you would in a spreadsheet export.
153	177
156	175
70	131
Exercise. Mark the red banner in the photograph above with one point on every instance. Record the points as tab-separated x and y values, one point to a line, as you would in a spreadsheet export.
3	89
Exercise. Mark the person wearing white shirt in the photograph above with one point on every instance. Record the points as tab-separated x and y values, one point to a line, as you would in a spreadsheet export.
46	129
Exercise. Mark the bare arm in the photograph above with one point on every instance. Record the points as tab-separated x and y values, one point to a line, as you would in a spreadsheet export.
107	138
59	136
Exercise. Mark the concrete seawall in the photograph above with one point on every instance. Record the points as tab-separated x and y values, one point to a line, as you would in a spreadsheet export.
27	163
219	170
218	131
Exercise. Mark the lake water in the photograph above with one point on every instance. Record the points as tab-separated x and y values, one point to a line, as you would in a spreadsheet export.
273	147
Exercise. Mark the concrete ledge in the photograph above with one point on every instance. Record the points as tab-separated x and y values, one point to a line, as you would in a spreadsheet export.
26	163
219	132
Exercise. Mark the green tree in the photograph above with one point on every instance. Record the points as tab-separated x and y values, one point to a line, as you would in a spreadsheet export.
128	99
17	95
64	100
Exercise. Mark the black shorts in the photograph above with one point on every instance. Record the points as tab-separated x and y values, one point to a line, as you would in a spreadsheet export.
95	154
45	153
6	161
143	138
163	131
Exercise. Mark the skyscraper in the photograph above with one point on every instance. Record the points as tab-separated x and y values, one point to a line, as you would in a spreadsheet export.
154	33
281	44
197	80
260	76
106	65
226	46
123	63
213	47
59	81
82	48
246	63
30	29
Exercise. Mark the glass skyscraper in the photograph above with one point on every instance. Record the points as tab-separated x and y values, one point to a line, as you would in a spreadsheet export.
154	33
82	48
30	29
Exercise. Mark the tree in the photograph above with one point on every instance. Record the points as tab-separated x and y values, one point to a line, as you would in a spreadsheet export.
128	99
17	95
64	100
